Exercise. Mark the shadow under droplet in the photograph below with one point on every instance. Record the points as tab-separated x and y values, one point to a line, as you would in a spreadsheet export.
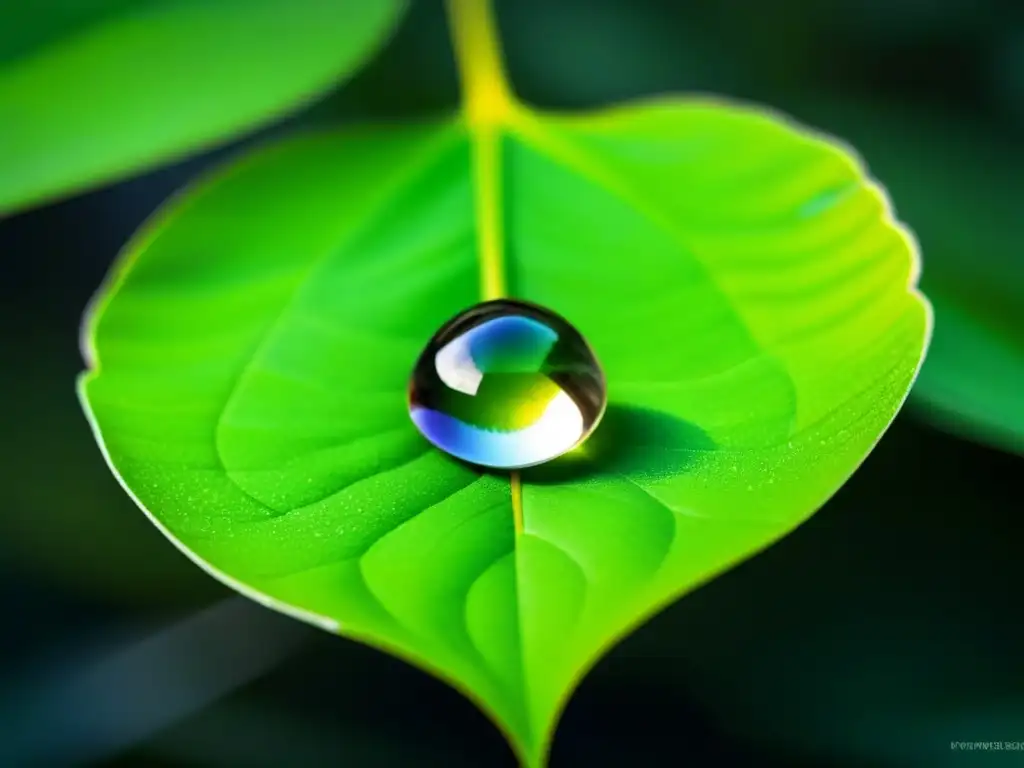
629	441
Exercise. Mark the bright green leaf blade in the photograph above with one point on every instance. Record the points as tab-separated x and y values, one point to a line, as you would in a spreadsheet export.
97	89
742	282
961	192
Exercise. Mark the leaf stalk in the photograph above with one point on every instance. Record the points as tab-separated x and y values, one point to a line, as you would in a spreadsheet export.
487	98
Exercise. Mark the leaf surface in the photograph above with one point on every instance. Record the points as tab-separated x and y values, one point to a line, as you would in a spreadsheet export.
961	191
92	90
743	284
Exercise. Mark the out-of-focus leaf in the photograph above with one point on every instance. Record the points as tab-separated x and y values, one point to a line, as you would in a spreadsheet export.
95	704
553	56
92	90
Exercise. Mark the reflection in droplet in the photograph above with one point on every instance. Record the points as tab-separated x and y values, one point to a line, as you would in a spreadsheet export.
507	384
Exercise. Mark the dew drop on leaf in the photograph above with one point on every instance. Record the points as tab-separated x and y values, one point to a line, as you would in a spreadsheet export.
507	384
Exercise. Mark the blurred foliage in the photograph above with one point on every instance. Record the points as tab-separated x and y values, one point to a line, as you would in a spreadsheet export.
93	90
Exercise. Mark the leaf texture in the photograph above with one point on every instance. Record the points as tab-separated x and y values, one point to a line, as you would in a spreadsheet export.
742	281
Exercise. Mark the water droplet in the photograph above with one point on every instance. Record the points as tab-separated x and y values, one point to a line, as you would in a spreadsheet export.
507	384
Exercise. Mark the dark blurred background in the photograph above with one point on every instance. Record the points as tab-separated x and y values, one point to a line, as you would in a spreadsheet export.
884	629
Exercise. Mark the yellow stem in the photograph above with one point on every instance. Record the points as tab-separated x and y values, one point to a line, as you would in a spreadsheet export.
487	104
490	234
487	98
487	101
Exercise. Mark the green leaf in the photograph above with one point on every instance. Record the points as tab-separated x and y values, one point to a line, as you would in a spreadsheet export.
750	296
97	89
960	190
741	280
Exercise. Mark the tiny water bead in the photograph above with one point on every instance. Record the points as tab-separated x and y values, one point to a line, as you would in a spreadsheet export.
507	384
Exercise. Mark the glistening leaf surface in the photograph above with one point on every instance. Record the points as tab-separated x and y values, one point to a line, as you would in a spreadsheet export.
742	283
92	90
